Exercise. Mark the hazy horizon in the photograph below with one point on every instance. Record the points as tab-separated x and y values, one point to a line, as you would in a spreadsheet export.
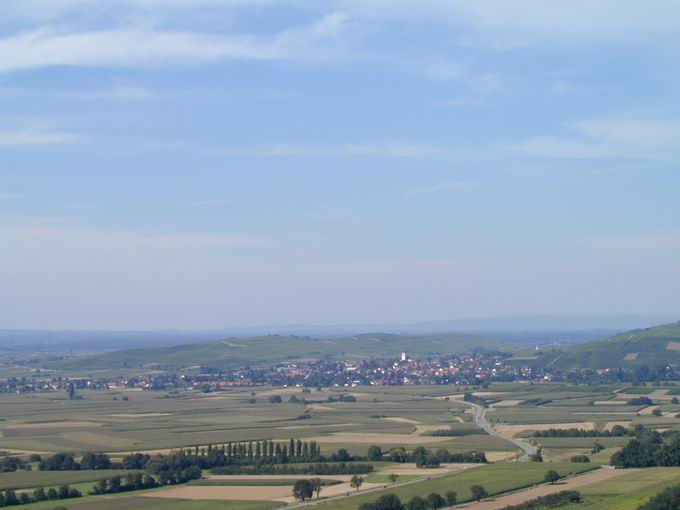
204	164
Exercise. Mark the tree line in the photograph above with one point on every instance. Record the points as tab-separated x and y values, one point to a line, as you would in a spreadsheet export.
11	498
616	431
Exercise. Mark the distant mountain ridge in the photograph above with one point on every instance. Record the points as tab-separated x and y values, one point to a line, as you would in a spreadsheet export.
534	328
239	352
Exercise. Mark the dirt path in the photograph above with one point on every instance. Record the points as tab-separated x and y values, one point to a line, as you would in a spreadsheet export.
574	483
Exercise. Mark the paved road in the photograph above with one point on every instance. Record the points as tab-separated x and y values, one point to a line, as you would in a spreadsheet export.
480	420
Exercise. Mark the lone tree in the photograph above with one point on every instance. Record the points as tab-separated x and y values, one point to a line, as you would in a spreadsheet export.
551	476
356	481
318	485
451	498
303	489
393	477
478	492
435	501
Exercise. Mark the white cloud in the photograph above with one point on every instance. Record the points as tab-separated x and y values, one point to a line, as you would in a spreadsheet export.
623	137
29	136
441	186
386	149
505	24
140	46
5	195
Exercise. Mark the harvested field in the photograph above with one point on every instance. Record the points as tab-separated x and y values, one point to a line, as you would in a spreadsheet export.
339	490
422	429
506	403
673	346
574	483
611	424
498	456
139	415
631	356
513	430
399	419
54	425
411	469
491	394
648	410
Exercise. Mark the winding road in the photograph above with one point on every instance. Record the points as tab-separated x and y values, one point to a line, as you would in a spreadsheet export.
480	420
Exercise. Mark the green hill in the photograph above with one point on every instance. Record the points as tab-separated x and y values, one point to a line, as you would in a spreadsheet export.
653	347
269	349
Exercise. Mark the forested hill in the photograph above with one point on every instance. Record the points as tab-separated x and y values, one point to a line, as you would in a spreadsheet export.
653	347
268	349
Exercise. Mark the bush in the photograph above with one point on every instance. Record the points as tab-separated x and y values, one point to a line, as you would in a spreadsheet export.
584	459
374	453
416	503
386	502
478	492
435	501
59	462
550	501
551	476
668	499
535	457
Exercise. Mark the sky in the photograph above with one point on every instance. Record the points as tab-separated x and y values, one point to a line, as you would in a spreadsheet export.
198	164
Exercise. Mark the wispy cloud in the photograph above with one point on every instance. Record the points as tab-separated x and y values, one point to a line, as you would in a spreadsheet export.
6	195
627	138
28	136
440	187
142	46
642	242
508	24
384	149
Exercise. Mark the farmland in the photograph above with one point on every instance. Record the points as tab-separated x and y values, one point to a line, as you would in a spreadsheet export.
124	420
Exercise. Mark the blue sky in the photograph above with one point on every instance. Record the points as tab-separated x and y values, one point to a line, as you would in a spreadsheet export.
208	163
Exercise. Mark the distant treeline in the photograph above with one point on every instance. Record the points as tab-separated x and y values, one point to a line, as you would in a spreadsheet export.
130	482
340	468
430	459
616	431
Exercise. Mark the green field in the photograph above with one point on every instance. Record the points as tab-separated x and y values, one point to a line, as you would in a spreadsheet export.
143	503
627	492
30	479
495	478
